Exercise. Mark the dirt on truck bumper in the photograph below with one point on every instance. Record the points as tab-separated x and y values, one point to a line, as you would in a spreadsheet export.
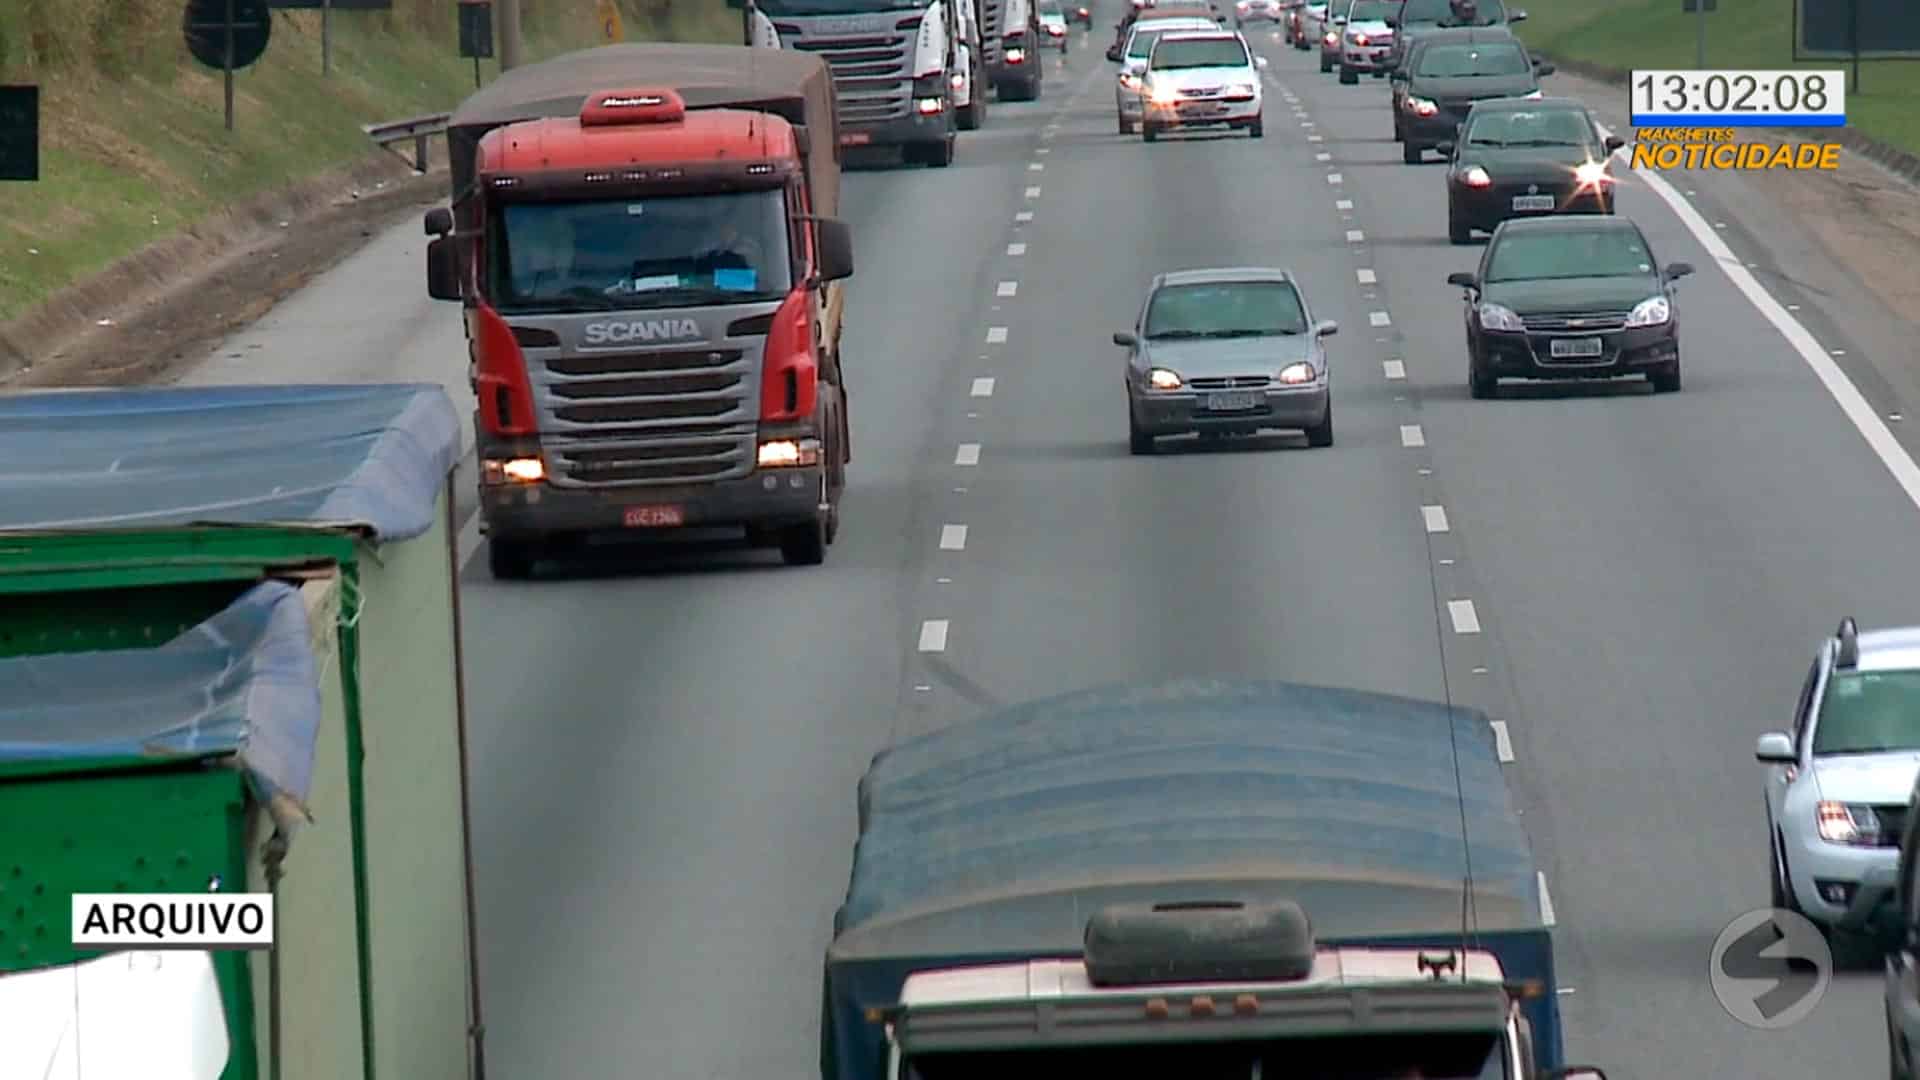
768	498
915	127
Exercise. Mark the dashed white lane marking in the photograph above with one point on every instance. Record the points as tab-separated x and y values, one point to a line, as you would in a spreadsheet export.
1007	288
1024	215
982	387
1546	899
1335	178
1044	149
1393	369
996	335
933	635
968	453
1316	138
1343	204
1306	123
1465	619
1905	471
1036	166
1365	276
1379	318
469	539
1412	436
1355	236
1502	742
1016	249
1033	192
1435	518
1323	157
953	538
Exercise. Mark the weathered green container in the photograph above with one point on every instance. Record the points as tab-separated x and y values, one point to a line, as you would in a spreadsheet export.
229	644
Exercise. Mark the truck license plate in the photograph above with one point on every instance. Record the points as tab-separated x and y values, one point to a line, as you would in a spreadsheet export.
1533	202
1567	348
655	517
856	138
1235	401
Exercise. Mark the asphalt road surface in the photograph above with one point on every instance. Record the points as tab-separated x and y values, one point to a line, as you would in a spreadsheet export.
667	747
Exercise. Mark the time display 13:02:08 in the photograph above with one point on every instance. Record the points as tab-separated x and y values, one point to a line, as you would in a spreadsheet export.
1775	98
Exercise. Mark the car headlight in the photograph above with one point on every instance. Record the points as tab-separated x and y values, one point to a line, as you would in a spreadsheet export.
1420	106
1241	90
1592	173
1496	317
1475	176
1332	40
1162	379
1165	95
1653	311
1848	823
1296	373
1357	38
1131	82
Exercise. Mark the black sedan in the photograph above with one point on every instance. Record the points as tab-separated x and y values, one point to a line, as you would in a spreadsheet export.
1448	72
1524	159
1571	297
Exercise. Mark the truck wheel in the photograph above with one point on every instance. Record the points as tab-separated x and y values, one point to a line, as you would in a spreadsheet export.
509	559
1326	63
1256	129
1412	152
1149	130
940	155
968	116
805	544
1126	128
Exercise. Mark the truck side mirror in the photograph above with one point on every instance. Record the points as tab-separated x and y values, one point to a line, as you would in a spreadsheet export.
1614	142
834	240
443	269
439	221
1514	17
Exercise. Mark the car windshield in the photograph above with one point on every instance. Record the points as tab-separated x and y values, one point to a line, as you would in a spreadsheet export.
1564	253
1533	127
1471	1056
1180	54
1226	309
1143	40
1371	11
1867	712
640	253
1472	61
1440	13
1051	9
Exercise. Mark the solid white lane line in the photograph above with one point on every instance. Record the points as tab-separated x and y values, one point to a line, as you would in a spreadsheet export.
953	538
1465	619
1355	236
1033	192
1334	178
1546	899
1379	318
1411	435
1393	369
1007	288
996	335
1435	518
1880	437
1365	276
1343	204
983	387
1502	742
1024	215
968	453
933	635
1016	249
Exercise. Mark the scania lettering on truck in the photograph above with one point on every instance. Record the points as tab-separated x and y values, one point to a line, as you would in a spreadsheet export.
651	277
906	73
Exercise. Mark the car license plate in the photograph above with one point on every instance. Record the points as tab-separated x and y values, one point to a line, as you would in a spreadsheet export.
655	517
1568	348
1533	202
1234	401
856	138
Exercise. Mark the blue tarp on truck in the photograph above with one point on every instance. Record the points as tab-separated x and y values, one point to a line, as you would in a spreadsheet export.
993	841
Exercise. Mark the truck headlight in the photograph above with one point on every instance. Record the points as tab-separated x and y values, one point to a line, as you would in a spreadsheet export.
1654	311
519	470
1848	823
789	453
1014	56
1496	317
1165	95
1296	373
1162	379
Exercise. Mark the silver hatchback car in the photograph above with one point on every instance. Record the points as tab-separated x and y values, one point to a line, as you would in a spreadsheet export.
1226	352
1838	784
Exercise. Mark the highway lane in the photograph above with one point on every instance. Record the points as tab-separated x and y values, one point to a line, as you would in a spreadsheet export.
1656	573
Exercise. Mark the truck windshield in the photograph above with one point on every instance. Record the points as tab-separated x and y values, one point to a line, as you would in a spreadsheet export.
123	1014
1431	1057
835	7
640	253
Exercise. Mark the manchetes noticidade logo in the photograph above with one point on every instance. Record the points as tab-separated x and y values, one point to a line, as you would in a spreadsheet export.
1716	148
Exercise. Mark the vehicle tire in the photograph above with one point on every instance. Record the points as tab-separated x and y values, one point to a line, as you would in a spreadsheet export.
1458	232
804	544
1348	76
1139	443
1126	126
1149	131
1033	90
1399	129
1666	380
1899	1054
1256	129
1412	153
509	559
1481	383
940	155
1321	434
1326	63
1780	895
968	116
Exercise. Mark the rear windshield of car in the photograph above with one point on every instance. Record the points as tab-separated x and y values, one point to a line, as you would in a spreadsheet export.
1142	44
1200	53
1226	309
1869	711
1440	12
1472	61
1562	253
1533	127
1371	10
1045	9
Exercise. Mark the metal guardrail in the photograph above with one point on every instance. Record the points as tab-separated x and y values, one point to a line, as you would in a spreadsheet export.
420	129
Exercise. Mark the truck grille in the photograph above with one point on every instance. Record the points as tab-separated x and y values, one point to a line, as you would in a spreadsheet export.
992	14
1575	322
872	76
666	417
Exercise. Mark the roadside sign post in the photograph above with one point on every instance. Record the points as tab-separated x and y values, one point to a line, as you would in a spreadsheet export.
228	35
20	133
1699	9
326	8
476	33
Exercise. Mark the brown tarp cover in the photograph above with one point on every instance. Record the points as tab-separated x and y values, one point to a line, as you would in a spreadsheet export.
796	86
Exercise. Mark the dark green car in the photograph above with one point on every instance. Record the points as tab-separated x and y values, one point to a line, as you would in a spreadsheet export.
1526	159
1448	73
1571	297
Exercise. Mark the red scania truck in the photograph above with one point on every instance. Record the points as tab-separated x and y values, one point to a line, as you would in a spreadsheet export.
644	240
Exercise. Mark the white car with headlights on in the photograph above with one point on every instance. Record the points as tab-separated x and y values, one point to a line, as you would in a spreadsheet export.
1202	79
1366	40
1226	352
1128	102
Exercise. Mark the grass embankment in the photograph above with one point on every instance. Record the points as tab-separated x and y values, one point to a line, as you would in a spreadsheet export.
133	145
1742	34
